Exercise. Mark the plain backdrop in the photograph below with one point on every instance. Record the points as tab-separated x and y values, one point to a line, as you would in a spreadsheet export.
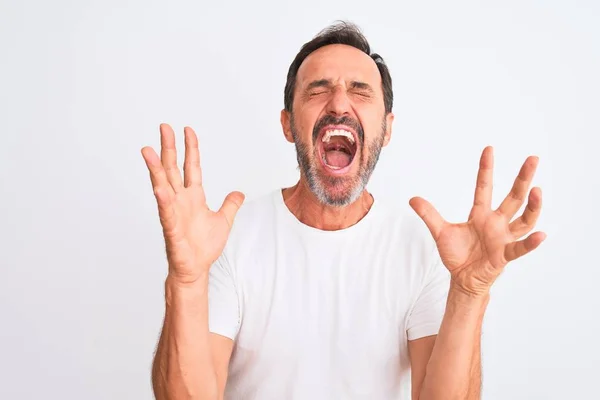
85	84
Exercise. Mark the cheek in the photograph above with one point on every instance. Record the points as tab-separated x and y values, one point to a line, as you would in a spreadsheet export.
373	128
304	122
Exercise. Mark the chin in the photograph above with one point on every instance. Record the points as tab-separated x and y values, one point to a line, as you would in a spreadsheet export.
337	192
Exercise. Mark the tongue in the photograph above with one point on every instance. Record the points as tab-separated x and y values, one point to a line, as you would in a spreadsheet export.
336	158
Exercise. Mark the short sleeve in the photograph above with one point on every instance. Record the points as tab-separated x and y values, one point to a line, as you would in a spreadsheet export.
428	310
223	305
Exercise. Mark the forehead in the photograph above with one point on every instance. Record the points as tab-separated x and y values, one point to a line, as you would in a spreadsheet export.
339	62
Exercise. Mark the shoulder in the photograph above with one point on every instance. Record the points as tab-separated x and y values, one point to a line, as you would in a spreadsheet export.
413	246
402	220
255	209
253	218
405	231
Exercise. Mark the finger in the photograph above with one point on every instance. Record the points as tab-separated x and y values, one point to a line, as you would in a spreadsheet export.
160	183
525	223
483	188
231	205
429	215
521	247
516	197
158	175
192	173
168	155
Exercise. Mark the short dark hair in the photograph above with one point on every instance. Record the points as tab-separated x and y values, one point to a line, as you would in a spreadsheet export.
339	33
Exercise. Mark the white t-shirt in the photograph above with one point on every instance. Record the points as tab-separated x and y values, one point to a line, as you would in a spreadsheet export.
324	314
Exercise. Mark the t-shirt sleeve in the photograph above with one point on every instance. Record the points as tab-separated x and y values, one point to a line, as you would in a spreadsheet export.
223	305
428	310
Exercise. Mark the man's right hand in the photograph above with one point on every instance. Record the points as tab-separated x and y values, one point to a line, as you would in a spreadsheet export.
194	235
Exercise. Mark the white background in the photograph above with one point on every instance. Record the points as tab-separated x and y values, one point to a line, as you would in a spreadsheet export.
84	85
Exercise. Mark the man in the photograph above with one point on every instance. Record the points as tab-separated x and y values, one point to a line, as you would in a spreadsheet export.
317	291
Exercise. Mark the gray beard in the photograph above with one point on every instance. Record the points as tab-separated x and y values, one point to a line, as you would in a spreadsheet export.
318	184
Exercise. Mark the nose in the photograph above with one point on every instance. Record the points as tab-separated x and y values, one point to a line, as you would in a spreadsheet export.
339	103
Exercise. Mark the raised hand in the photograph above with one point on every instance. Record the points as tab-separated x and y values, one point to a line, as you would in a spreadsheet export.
475	252
194	235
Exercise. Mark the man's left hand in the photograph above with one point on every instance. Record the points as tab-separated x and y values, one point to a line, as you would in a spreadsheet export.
475	252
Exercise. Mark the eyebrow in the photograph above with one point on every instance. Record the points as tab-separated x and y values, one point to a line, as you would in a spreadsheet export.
327	84
361	86
319	83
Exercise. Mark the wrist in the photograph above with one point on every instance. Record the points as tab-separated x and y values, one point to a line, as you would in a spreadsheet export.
178	290
461	297
187	280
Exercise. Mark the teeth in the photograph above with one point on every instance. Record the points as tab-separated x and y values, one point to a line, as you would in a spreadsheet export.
338	132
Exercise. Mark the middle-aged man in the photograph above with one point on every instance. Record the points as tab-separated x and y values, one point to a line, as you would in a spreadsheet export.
318	291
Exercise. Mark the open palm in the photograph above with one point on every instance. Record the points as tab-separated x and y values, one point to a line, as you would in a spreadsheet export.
475	252
194	235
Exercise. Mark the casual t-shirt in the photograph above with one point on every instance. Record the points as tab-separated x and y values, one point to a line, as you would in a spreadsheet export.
320	314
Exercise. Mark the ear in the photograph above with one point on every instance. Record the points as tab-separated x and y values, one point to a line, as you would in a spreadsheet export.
286	125
389	120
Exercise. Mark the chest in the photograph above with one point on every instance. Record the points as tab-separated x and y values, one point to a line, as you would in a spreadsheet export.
344	304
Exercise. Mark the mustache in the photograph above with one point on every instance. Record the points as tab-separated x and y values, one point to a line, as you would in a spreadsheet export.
345	120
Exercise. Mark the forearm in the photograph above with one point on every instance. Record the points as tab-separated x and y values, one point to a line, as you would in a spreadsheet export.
454	369
475	381
183	367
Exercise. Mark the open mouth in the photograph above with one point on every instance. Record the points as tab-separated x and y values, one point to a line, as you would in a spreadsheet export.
337	148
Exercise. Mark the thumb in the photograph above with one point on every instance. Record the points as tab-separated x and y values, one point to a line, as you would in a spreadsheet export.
429	215
231	205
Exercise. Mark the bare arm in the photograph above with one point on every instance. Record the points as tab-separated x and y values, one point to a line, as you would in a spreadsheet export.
475	385
475	252
454	369
190	362
419	351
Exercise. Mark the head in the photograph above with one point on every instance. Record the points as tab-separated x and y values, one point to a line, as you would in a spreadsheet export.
338	112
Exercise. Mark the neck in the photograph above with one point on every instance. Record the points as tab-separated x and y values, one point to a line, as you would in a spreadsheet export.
301	202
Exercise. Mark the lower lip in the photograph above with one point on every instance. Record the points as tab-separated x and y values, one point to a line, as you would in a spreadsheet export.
334	171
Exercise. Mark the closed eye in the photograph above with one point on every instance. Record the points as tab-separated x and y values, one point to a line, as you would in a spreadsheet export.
362	89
